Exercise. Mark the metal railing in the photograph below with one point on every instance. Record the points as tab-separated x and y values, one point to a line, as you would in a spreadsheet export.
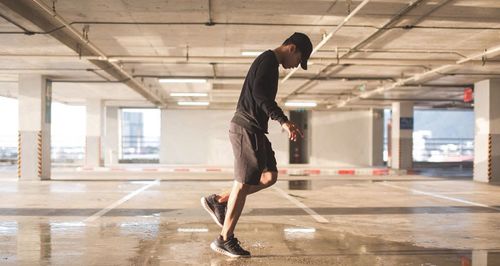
424	150
68	154
134	147
441	149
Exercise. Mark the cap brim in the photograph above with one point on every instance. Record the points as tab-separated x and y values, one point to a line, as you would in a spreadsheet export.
303	64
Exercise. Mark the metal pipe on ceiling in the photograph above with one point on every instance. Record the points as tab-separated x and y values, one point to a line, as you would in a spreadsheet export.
233	59
24	30
95	49
240	79
271	24
414	100
24	70
248	60
211	22
392	21
407	27
415	78
393	51
329	36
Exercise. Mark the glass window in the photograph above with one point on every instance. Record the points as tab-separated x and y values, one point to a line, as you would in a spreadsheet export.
140	135
68	130
8	133
439	135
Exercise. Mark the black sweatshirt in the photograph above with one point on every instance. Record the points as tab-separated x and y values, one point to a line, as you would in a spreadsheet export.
257	99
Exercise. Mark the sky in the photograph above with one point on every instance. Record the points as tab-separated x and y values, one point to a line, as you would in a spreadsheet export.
151	119
8	121
68	123
443	123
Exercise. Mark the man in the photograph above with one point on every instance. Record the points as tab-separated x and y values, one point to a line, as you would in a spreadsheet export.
255	164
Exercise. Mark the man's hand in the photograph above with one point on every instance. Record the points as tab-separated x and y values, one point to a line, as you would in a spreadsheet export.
292	130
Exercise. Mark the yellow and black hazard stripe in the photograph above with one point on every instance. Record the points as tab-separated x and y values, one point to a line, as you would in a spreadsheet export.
39	149
490	157
19	154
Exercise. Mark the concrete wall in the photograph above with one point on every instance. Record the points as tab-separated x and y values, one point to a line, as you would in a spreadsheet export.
200	137
196	137
376	137
341	138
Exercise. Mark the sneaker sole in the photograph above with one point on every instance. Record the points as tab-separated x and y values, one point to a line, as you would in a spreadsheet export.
223	252
207	208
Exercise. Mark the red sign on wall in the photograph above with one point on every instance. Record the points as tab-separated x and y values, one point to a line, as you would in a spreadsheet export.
468	95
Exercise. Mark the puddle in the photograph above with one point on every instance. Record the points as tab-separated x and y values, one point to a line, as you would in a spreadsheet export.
299	185
278	244
171	243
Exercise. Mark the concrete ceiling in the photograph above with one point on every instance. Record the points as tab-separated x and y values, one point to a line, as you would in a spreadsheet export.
132	43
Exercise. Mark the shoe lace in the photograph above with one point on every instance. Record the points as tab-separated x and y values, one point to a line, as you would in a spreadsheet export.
221	210
235	245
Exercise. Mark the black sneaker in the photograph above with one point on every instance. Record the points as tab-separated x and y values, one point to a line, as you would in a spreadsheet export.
216	210
230	247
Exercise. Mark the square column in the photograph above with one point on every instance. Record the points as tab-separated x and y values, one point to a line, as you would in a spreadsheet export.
376	137
95	117
111	139
35	98
402	135
487	131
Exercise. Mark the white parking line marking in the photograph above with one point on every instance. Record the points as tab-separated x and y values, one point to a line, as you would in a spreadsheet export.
435	195
115	204
315	215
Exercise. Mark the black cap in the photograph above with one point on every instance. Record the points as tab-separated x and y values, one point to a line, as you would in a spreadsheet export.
303	43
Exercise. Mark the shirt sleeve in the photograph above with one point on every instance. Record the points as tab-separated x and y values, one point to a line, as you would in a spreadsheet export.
265	88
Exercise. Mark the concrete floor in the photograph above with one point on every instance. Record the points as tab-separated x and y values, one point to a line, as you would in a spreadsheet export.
156	219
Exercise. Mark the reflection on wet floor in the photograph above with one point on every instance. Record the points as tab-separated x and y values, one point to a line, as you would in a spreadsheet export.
299	185
155	242
365	222
455	172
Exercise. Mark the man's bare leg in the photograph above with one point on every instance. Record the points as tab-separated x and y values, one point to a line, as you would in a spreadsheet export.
235	206
267	179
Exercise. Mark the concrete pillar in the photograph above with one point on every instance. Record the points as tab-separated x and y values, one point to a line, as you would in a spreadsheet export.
377	137
402	135
35	94
163	137
479	257
95	117
487	131
111	139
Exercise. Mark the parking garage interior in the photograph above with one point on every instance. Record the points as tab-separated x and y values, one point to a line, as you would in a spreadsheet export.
115	115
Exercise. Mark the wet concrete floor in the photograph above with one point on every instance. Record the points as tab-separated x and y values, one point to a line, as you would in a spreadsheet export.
300	221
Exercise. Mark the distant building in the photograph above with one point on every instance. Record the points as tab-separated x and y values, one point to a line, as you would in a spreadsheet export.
132	132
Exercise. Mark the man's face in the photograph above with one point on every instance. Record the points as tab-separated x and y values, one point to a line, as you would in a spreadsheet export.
293	58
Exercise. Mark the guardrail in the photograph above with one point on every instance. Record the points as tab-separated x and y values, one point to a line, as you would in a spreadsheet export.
140	147
444	150
441	149
424	150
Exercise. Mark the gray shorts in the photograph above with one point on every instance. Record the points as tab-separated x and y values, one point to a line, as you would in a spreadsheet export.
253	155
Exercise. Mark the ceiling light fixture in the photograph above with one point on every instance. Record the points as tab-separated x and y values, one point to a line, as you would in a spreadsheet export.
301	104
251	53
193	103
188	94
168	80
